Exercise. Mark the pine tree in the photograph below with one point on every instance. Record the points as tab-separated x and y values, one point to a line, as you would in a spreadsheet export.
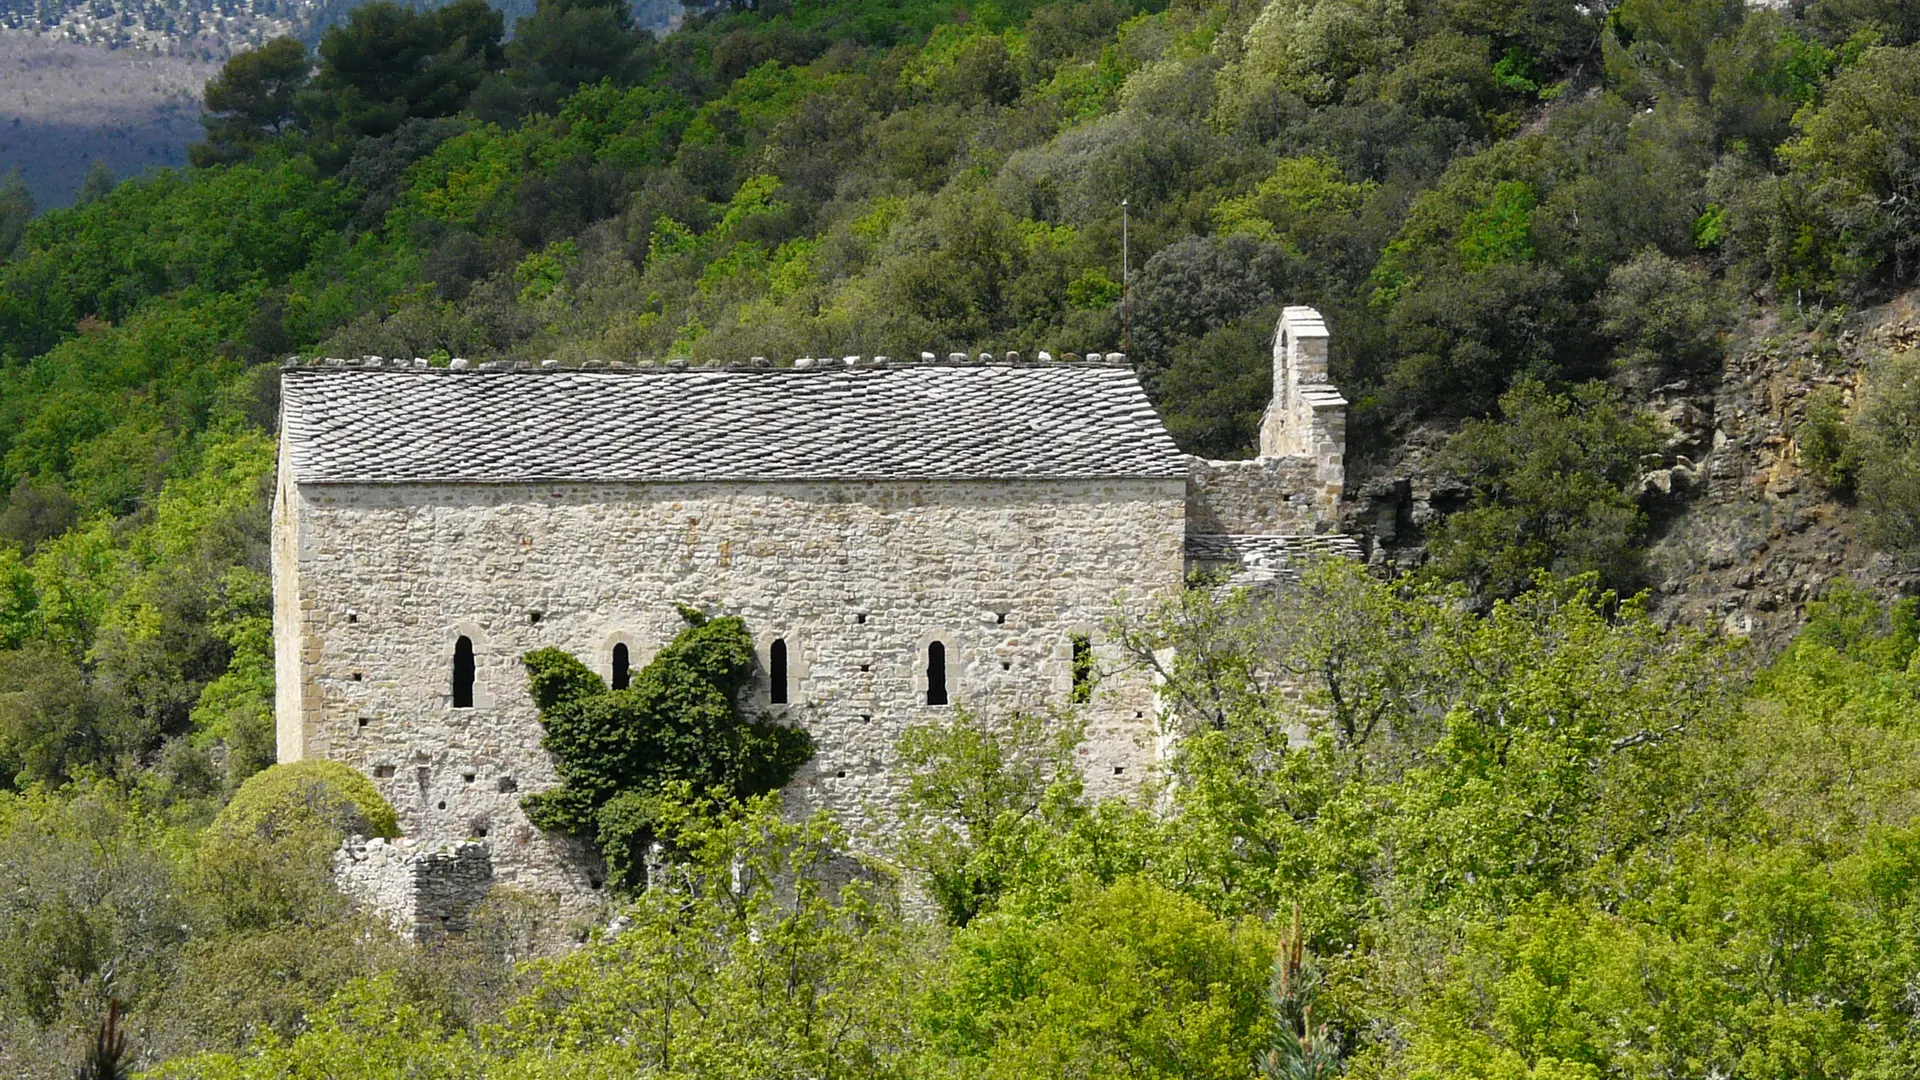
98	184
1301	1049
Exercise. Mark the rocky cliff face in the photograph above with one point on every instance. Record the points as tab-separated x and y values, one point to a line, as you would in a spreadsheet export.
1741	536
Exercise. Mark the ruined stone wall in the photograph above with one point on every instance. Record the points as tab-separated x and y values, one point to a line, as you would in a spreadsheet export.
1264	495
1296	484
423	890
857	577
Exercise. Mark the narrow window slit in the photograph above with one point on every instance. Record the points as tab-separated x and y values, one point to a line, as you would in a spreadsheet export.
463	673
622	667
777	671
936	674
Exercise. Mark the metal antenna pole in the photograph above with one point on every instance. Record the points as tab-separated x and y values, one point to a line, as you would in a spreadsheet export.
1126	278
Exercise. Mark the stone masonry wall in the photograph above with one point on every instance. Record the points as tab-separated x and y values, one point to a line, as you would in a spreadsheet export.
1264	495
1297	482
857	577
422	890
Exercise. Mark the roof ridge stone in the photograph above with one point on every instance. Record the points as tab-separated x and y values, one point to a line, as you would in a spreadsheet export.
760	364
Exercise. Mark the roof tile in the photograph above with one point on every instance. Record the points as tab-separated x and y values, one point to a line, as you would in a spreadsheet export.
921	422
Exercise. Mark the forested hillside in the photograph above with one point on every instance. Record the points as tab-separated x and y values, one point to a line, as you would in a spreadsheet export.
1536	833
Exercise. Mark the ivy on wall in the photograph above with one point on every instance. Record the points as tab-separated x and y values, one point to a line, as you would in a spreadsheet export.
678	722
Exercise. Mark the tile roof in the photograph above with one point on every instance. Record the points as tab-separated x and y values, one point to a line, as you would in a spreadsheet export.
920	421
1254	559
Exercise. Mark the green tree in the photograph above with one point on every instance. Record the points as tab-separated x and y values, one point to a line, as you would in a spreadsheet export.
1548	482
1851	217
1303	1046
676	722
983	801
97	185
1654	47
109	1046
252	101
1132	980
567	44
16	209
1360	748
1893	22
388	64
1665	316
1888	441
55	723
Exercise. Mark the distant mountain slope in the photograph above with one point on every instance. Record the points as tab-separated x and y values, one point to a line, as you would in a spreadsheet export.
120	80
209	31
64	105
216	29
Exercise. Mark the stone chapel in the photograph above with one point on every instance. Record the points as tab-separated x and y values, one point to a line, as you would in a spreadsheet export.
901	537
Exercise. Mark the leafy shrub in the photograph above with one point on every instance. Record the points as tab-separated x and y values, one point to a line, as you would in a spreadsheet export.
1826	445
302	796
1888	438
1665	316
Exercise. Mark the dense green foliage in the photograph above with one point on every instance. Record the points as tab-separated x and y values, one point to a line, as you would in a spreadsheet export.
1548	486
1554	840
677	723
1528	831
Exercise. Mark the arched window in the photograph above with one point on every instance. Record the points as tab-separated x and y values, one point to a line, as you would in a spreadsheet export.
622	666
1082	670
463	673
936	674
777	671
